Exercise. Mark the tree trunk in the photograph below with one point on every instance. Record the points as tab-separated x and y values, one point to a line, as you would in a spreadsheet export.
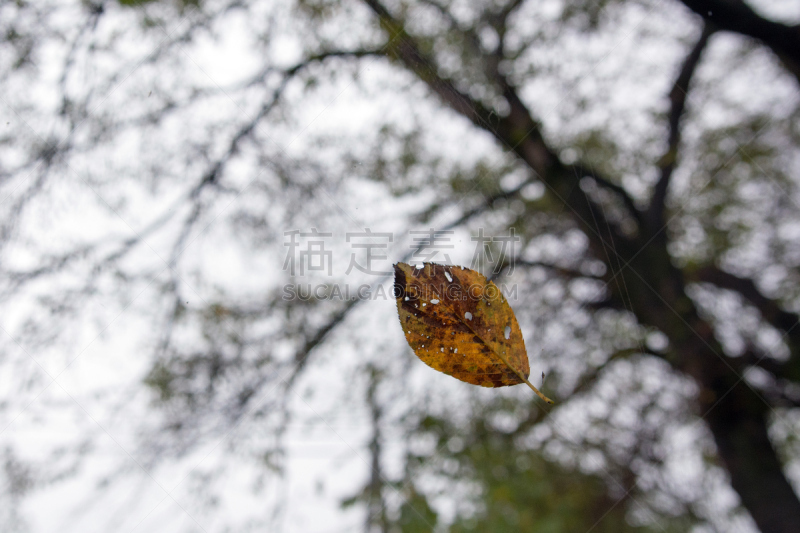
739	425
736	415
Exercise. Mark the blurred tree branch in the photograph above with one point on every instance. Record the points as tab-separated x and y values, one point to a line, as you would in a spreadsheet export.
677	97
737	16
770	310
737	415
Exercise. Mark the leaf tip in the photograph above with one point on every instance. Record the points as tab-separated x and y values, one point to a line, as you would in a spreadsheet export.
399	280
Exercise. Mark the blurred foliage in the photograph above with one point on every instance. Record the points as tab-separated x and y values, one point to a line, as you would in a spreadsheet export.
512	487
180	4
499	484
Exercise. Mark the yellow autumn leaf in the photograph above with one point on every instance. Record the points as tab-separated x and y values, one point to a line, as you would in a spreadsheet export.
459	323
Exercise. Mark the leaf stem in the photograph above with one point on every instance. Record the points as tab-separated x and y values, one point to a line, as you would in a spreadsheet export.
523	378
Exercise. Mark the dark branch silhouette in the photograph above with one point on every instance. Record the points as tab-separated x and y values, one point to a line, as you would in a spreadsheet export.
677	97
737	16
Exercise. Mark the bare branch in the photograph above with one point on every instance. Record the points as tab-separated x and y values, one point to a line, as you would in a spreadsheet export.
518	131
209	177
605	183
771	312
402	47
487	203
564	272
737	16
317	339
677	96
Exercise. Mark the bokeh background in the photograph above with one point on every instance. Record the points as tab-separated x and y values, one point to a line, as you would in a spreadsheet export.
163	367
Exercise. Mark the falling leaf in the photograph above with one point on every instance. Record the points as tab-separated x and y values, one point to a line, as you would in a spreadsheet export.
459	323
